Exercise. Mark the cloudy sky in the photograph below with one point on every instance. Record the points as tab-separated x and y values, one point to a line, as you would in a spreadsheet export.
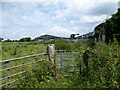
26	18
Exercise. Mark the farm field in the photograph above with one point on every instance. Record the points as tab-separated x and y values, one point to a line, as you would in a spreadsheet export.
12	50
60	44
100	68
20	49
99	63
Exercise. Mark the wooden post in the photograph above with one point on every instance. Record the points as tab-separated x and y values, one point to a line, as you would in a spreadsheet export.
51	53
51	56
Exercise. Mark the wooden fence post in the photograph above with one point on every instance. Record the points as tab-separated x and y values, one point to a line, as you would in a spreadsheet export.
51	56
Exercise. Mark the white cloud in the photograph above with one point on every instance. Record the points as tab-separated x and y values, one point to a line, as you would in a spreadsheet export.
20	16
51	17
60	31
107	0
54	0
92	19
80	8
22	0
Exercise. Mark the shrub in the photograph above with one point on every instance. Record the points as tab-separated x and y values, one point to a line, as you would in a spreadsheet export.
60	44
103	66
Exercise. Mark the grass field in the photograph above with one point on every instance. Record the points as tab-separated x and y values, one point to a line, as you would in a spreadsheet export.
100	65
20	49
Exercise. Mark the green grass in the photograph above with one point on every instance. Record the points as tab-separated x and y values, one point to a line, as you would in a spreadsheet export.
100	65
19	49
102	70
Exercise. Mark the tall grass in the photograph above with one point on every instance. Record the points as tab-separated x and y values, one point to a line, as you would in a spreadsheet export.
60	44
19	49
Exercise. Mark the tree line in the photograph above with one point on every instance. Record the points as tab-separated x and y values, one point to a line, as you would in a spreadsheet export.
26	39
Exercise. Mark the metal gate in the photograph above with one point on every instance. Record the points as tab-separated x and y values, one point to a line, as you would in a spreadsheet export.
67	60
14	70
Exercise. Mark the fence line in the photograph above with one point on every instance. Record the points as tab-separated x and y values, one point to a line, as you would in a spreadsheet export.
63	56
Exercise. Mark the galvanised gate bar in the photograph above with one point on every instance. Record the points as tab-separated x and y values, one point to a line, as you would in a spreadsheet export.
68	60
6	69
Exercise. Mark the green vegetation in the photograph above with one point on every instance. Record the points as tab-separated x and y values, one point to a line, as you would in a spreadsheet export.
99	64
69	45
72	36
60	44
99	69
19	49
27	39
111	28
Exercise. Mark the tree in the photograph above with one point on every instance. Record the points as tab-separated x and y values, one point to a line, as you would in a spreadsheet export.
111	28
27	39
1	39
8	40
72	36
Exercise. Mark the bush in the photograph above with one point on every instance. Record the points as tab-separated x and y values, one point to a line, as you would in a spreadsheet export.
102	68
60	44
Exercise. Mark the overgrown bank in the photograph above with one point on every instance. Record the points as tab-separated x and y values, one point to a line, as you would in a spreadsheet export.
101	68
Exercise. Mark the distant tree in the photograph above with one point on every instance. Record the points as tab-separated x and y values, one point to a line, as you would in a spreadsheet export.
72	36
27	39
16	40
8	40
1	39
